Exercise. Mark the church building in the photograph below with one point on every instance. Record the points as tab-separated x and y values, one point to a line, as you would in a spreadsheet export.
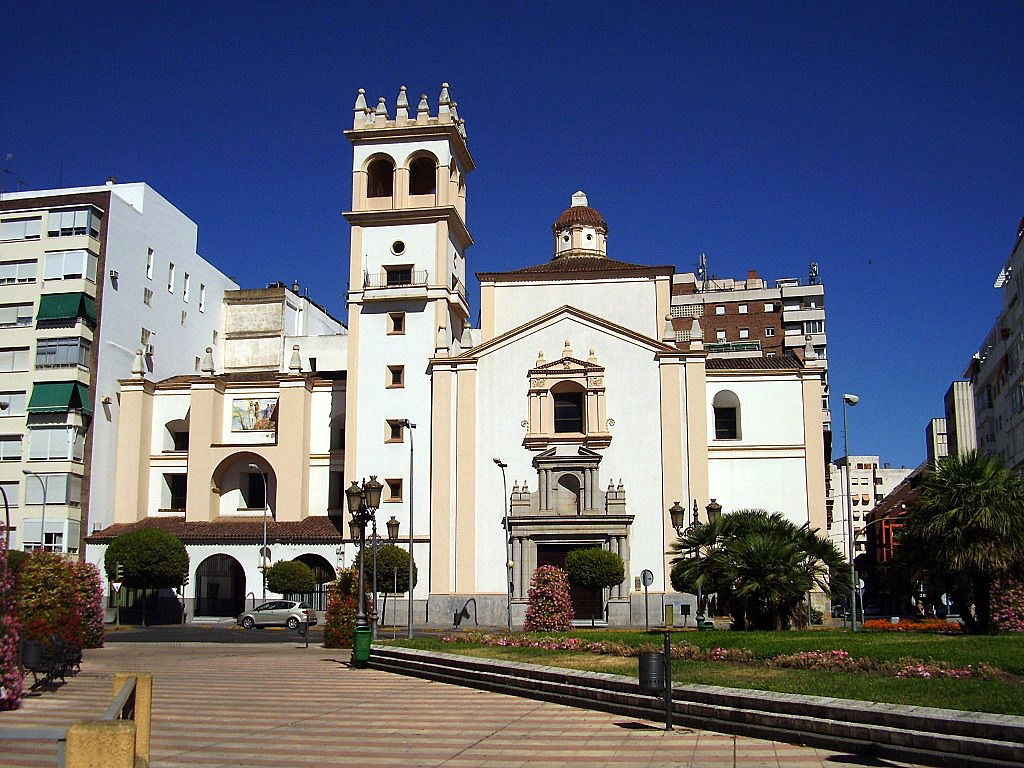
574	416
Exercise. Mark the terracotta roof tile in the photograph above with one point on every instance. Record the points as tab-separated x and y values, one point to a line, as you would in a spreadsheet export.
316	529
580	214
574	265
777	363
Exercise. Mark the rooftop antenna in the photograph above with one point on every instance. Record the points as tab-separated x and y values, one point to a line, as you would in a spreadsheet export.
813	273
7	171
702	271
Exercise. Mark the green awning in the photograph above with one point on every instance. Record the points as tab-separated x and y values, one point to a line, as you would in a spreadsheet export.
59	397
67	306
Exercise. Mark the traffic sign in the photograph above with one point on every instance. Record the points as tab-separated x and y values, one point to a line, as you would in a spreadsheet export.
116	586
647	577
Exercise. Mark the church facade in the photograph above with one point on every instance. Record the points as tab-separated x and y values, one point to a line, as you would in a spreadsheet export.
574	416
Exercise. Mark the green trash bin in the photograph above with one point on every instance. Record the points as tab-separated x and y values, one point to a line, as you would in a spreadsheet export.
361	647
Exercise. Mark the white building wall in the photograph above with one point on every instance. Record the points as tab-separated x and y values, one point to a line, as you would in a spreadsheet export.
632	383
629	303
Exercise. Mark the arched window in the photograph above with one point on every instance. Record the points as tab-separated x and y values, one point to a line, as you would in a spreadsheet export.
380	178
422	176
569	495
727	415
570	413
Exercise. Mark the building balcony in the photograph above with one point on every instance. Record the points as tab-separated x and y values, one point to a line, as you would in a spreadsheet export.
803	314
733	346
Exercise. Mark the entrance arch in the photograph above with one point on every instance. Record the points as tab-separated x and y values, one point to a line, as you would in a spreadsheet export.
220	587
325	576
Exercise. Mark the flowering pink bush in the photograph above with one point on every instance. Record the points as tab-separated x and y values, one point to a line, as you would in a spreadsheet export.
12	677
89	601
549	607
1008	606
924	625
830	661
910	668
682	651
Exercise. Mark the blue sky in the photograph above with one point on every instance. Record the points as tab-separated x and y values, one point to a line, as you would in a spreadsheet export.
881	140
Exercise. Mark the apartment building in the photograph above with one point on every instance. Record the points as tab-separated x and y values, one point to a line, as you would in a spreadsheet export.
870	483
88	276
995	371
936	441
755	318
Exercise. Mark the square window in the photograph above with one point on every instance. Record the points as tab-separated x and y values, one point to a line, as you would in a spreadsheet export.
720	310
769	331
396	377
393	488
396	323
399	275
720	334
769	307
742	309
395	432
744	333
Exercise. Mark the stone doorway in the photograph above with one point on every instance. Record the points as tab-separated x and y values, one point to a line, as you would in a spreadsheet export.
587	604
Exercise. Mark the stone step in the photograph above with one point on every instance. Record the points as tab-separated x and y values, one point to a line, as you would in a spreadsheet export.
916	734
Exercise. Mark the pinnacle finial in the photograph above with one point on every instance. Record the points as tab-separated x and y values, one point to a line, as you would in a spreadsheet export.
669	333
360	106
295	364
402	106
592	357
567	350
809	353
139	364
207	365
444	102
579	199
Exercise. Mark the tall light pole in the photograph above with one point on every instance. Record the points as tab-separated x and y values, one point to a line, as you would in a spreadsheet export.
850	400
506	522
42	528
410	426
266	508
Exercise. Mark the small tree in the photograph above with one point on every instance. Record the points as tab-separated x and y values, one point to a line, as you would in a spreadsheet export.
595	569
149	558
46	599
290	577
89	600
550	606
390	558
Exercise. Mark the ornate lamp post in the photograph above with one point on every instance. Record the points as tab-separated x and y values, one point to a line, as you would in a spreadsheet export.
678	514
363	502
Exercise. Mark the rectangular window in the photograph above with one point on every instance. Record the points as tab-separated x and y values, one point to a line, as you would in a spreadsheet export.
719	310
15	402
144	337
66	265
149	265
13	315
10	490
395	432
726	427
21	228
396	323
177	490
147	297
769	332
744	333
719	334
202	297
66	223
13	359
10	447
742	309
184	317
820	352
18	271
198	363
399	275
61	488
814	326
55	443
185	287
769	307
393	489
568	408
214	338
396	376
62	353
170	277
256	496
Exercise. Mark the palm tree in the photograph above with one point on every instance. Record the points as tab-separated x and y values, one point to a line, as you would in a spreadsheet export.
759	563
965	531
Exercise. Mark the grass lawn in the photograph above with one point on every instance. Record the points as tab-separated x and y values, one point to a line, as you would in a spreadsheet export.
1005	652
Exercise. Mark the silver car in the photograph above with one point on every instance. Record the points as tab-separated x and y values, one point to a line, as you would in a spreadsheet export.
278	613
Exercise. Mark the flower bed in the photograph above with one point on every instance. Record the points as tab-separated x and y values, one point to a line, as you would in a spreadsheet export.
829	661
905	625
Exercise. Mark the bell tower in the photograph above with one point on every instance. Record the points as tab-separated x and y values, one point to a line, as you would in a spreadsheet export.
407	297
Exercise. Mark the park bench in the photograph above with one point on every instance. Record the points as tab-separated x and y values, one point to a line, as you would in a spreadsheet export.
50	659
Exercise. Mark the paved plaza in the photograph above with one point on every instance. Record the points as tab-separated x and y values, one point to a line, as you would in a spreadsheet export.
284	705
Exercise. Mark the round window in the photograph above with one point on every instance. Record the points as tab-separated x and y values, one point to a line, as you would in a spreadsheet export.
398	247
590	237
565	238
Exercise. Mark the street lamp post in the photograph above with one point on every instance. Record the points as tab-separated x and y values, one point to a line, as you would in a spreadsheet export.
850	400
42	528
506	523
363	503
677	512
266	508
410	426
392	526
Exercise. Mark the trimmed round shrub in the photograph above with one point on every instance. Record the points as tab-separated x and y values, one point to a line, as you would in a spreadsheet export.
550	606
594	568
290	577
150	559
389	557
